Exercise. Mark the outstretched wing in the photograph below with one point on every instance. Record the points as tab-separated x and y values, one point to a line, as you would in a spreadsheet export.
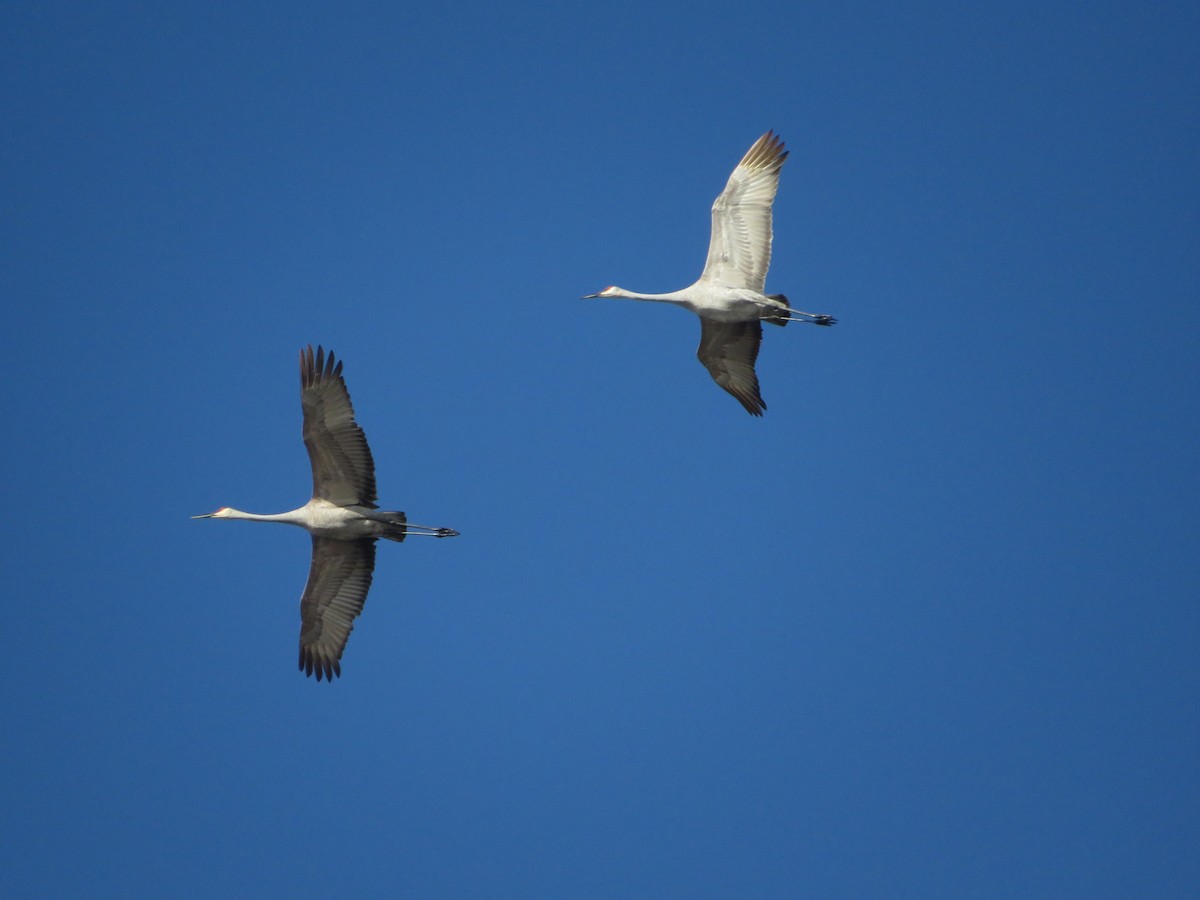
728	350
343	470
739	252
338	581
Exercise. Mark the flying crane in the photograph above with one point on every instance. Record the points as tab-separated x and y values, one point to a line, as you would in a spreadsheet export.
341	516
728	297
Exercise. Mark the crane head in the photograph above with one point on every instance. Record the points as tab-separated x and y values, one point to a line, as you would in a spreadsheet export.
610	291
222	513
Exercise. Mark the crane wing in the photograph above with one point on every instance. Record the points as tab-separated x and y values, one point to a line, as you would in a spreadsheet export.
338	581
343	470
739	252
728	350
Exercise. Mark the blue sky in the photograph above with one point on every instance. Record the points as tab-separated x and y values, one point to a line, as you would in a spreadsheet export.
928	628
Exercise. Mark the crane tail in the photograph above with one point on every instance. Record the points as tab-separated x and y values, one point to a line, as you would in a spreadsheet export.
394	519
775	320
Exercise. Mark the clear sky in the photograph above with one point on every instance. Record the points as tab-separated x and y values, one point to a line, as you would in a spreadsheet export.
927	629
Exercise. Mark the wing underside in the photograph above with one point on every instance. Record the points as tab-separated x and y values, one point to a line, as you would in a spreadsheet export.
739	252
338	581
729	350
342	466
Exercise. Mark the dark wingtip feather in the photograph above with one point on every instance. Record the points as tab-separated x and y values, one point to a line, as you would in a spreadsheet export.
754	405
318	365
767	153
324	669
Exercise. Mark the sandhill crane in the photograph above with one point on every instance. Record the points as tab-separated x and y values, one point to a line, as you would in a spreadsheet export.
341	516
728	296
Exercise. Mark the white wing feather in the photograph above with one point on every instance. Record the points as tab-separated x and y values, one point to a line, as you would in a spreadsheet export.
739	253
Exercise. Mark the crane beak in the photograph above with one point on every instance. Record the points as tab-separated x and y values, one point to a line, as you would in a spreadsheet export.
589	296
205	516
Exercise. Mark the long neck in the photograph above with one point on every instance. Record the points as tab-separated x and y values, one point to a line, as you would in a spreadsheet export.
672	297
291	517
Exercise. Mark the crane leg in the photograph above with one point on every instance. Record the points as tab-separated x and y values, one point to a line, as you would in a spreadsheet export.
429	530
814	318
795	315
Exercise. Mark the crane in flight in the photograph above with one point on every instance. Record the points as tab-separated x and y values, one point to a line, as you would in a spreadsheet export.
341	516
728	297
